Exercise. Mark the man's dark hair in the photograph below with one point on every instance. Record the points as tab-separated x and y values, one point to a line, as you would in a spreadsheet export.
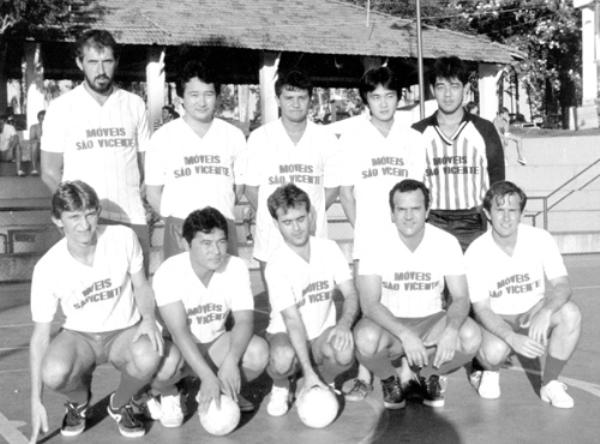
448	68
196	69
409	185
286	197
41	114
74	196
293	80
501	190
383	76
204	221
98	39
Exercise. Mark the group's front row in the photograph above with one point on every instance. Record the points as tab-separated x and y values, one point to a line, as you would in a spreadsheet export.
513	275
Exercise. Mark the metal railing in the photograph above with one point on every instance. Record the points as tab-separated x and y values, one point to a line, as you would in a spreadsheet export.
546	207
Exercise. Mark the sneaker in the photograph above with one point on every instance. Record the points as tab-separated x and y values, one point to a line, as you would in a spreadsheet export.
434	389
555	393
153	408
245	404
278	401
393	397
171	414
21	173
34	173
129	425
522	161
489	385
356	390
73	423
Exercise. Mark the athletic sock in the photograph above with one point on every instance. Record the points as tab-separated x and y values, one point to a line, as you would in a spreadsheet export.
552	368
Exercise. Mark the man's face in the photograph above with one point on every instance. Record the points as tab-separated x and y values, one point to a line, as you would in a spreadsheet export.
293	224
409	214
79	226
200	100
382	103
98	65
449	94
209	250
505	215
294	104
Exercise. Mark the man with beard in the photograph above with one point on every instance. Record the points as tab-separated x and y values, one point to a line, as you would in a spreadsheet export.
98	132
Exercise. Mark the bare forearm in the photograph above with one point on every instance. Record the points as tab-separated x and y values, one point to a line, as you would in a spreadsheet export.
37	349
144	299
559	296
382	316
185	342
348	203
241	334
349	310
494	324
297	334
457	312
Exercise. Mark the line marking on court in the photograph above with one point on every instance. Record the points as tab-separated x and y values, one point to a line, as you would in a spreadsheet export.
587	287
591	388
9	430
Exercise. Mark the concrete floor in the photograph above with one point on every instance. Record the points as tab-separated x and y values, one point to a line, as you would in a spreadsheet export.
517	417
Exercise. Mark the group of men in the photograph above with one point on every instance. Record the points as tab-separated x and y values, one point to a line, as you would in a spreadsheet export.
417	197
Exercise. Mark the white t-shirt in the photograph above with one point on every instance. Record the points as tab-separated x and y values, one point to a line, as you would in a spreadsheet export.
308	285
514	283
206	307
412	282
274	160
8	132
373	165
100	144
93	299
196	171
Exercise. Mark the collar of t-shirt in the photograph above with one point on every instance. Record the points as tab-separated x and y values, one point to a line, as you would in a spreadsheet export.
449	140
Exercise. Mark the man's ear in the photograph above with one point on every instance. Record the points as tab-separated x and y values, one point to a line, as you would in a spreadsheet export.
57	222
79	63
488	216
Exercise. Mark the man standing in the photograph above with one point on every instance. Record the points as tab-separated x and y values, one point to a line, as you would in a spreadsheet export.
290	150
98	132
302	276
195	161
9	140
35	142
95	273
508	268
400	286
378	151
196	291
464	155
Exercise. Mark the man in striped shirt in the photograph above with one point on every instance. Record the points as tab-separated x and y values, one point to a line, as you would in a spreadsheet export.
464	155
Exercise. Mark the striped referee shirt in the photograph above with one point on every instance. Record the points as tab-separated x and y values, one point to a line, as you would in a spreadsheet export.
461	168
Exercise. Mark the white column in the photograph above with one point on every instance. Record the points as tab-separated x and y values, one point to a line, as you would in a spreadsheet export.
488	89
34	83
267	77
155	86
587	114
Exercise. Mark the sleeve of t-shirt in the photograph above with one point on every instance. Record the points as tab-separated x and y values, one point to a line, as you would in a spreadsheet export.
493	149
475	275
240	293
53	134
281	295
134	250
554	266
165	284
252	175
240	157
341	269
155	173
334	160
44	301
143	128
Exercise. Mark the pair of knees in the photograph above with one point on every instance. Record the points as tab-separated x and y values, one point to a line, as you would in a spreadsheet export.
283	362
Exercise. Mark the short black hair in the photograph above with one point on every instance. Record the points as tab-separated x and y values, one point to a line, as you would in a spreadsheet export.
448	68
204	221
287	196
96	38
293	80
409	185
74	195
196	69
500	190
383	76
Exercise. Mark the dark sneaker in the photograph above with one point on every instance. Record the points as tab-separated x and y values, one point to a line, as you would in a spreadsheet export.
245	404
393	398
129	425
434	389
74	420
356	390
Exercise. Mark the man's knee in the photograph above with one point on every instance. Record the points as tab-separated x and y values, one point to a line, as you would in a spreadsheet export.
145	358
56	374
366	337
470	337
570	316
282	358
256	356
494	350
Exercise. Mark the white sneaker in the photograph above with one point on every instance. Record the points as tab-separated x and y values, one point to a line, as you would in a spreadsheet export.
489	385
278	401
555	393
170	409
153	407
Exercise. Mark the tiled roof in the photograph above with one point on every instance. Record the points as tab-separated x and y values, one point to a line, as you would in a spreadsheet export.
309	26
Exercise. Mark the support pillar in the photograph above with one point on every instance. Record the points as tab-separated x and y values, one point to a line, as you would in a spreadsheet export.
587	114
489	74
267	77
34	84
155	86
